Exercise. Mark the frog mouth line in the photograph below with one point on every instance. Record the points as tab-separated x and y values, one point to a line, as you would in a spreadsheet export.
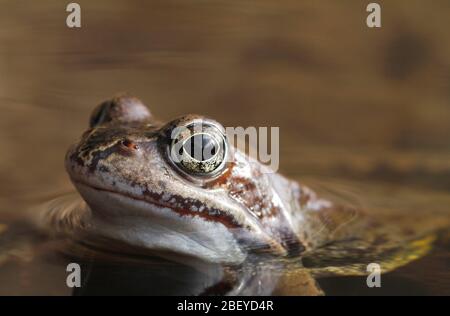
218	217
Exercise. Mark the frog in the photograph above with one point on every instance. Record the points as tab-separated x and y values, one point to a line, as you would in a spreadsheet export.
182	190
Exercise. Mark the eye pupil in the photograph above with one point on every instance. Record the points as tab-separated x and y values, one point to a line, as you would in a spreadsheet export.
200	147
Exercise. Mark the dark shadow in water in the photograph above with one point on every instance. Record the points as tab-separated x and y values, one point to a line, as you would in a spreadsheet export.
162	279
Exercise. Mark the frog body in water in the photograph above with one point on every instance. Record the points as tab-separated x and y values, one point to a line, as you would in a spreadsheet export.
144	186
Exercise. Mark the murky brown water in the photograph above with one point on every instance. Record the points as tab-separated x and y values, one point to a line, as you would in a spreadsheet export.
365	111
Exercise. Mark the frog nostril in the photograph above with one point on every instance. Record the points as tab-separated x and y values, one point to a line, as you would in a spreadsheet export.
129	144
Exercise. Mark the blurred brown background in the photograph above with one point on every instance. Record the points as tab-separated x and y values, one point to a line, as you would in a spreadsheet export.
349	100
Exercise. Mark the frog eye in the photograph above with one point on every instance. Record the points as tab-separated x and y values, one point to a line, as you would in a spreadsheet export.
198	149
122	109
100	114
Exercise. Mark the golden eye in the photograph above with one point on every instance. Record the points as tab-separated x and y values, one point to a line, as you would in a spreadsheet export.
199	149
